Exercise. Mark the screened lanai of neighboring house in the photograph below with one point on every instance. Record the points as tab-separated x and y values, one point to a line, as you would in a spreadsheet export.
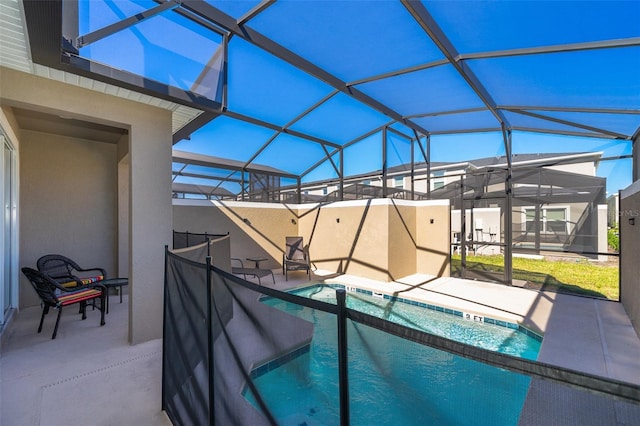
281	100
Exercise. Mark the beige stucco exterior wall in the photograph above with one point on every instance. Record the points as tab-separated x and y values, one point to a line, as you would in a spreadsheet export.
255	229
433	238
402	240
349	237
62	211
379	239
629	249
149	179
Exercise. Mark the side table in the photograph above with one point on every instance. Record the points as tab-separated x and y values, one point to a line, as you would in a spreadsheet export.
114	282
257	260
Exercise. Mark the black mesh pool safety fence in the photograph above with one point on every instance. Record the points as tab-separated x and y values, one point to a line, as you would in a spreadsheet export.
236	353
188	239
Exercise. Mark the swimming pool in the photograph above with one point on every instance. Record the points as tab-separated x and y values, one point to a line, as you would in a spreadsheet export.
391	380
491	334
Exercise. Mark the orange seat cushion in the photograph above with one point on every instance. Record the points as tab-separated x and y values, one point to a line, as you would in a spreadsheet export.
78	296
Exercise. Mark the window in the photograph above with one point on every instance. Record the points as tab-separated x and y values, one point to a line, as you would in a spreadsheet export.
437	183
398	182
553	220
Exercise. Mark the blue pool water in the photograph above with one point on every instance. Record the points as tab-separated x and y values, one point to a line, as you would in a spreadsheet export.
393	381
511	341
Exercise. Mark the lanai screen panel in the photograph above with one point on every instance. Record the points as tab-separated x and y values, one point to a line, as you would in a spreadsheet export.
165	47
335	74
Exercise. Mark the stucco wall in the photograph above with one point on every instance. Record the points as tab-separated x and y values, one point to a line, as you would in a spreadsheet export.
255	229
402	254
62	210
629	249
378	239
433	238
349	237
149	216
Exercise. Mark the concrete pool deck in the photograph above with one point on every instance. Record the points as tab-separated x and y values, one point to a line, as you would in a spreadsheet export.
91	375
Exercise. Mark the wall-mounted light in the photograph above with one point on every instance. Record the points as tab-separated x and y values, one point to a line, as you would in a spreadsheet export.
293	221
431	220
632	221
337	220
245	220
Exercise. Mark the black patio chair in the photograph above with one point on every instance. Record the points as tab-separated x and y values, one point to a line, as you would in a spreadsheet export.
67	272
55	295
254	272
295	257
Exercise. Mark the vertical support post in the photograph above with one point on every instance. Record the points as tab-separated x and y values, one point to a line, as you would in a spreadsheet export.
242	185
413	168
225	72
619	225
343	374
299	190
341	188
472	224
164	327
508	214
428	160
384	163
635	154
463	231
212	414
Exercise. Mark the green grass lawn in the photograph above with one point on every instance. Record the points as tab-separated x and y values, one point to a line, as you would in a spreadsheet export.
577	277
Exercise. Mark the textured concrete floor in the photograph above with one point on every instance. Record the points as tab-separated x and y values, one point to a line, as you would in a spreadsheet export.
88	375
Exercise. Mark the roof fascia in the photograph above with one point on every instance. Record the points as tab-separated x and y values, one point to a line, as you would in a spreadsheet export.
195	124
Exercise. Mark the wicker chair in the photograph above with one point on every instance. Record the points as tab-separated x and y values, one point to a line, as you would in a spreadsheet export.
296	257
67	272
55	295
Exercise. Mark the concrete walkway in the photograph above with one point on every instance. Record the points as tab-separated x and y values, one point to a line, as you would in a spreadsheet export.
90	375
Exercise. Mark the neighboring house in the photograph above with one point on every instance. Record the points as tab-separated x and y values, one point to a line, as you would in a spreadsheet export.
558	201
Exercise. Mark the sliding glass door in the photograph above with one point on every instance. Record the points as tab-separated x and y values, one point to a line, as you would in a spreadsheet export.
8	230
